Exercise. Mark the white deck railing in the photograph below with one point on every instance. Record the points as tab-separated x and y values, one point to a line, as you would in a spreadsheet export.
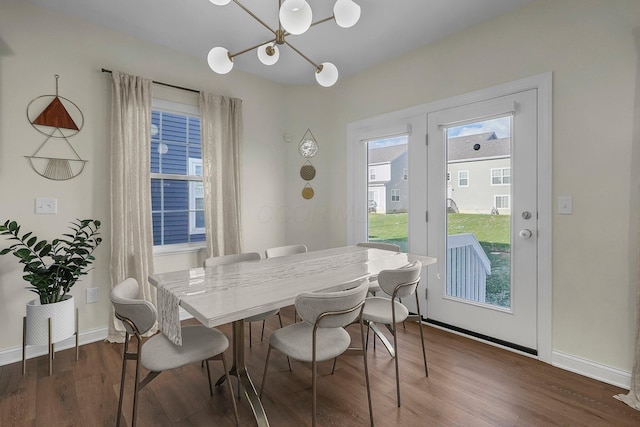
467	268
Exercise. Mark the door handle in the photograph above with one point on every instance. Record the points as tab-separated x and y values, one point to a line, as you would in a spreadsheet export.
525	234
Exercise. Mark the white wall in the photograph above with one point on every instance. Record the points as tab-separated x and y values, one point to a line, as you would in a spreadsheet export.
36	44
587	44
589	47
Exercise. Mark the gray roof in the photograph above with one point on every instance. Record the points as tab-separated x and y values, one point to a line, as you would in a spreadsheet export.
489	146
386	154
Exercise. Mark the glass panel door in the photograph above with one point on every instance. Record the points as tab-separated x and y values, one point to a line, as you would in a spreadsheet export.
388	190
478	212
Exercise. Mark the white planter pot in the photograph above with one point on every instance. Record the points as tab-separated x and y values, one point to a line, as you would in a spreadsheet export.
63	321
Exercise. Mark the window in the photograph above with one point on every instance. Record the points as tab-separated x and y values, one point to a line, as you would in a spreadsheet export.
463	178
501	176
395	195
502	202
372	174
405	174
177	197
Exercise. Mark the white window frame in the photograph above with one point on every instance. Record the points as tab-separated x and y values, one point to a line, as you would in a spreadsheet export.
195	187
405	174
460	178
501	176
506	197
188	110
395	194
372	174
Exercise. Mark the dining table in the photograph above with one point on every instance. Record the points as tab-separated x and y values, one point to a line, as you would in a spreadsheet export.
230	293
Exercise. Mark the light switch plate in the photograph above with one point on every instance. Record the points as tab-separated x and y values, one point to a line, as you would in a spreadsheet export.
46	205
565	205
92	295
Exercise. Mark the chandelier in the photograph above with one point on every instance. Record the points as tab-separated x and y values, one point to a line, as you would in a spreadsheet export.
295	17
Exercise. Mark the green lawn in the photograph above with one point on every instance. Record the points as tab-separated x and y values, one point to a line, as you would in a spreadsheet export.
492	231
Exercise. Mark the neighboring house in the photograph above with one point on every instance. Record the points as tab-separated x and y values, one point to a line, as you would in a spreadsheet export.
388	175
177	197
479	174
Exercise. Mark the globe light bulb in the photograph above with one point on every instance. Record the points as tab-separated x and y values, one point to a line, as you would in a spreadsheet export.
346	13
328	75
295	16
219	61
268	53
220	2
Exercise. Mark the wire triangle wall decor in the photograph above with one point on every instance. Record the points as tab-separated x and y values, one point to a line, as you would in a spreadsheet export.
59	120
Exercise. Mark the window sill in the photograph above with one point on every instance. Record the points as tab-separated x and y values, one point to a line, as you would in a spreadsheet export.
178	249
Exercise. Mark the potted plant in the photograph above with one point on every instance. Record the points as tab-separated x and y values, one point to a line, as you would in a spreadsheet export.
52	268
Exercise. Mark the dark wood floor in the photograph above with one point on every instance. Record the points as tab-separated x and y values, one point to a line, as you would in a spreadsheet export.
469	384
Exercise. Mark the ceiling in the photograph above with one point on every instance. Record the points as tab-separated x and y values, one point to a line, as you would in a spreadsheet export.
386	29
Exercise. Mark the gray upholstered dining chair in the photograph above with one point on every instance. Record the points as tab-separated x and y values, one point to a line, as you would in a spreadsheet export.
374	287
285	250
321	334
401	282
242	257
231	259
158	354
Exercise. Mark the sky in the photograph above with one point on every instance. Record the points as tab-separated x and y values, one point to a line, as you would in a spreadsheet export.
501	126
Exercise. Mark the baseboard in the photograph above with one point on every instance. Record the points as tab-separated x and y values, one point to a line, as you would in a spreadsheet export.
13	355
587	368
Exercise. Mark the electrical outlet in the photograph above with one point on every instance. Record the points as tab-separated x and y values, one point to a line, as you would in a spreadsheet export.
92	295
46	205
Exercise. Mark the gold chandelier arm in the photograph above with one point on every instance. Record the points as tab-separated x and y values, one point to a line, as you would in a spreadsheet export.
254	16
318	67
251	48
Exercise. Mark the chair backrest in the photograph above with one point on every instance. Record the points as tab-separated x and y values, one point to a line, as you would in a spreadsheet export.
143	314
408	275
380	245
231	259
310	305
285	250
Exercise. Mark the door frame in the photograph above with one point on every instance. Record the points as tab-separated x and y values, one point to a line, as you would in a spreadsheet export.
414	120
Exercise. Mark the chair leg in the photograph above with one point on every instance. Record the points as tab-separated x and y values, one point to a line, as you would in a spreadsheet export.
424	353
333	370
313	386
262	333
209	376
135	387
250	339
280	319
366	371
264	375
395	346
233	399
122	378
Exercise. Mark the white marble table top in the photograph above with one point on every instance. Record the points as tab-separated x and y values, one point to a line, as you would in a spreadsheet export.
223	294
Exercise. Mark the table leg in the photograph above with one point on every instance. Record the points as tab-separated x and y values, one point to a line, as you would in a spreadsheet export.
383	339
239	370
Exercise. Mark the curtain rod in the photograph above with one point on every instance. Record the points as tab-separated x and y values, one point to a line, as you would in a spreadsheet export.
104	70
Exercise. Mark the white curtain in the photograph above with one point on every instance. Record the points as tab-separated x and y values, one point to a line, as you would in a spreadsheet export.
221	128
633	397
131	226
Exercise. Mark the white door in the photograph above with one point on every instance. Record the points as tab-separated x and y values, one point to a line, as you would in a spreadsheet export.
482	223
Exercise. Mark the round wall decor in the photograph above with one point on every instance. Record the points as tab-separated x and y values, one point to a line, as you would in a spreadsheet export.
307	192
307	172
